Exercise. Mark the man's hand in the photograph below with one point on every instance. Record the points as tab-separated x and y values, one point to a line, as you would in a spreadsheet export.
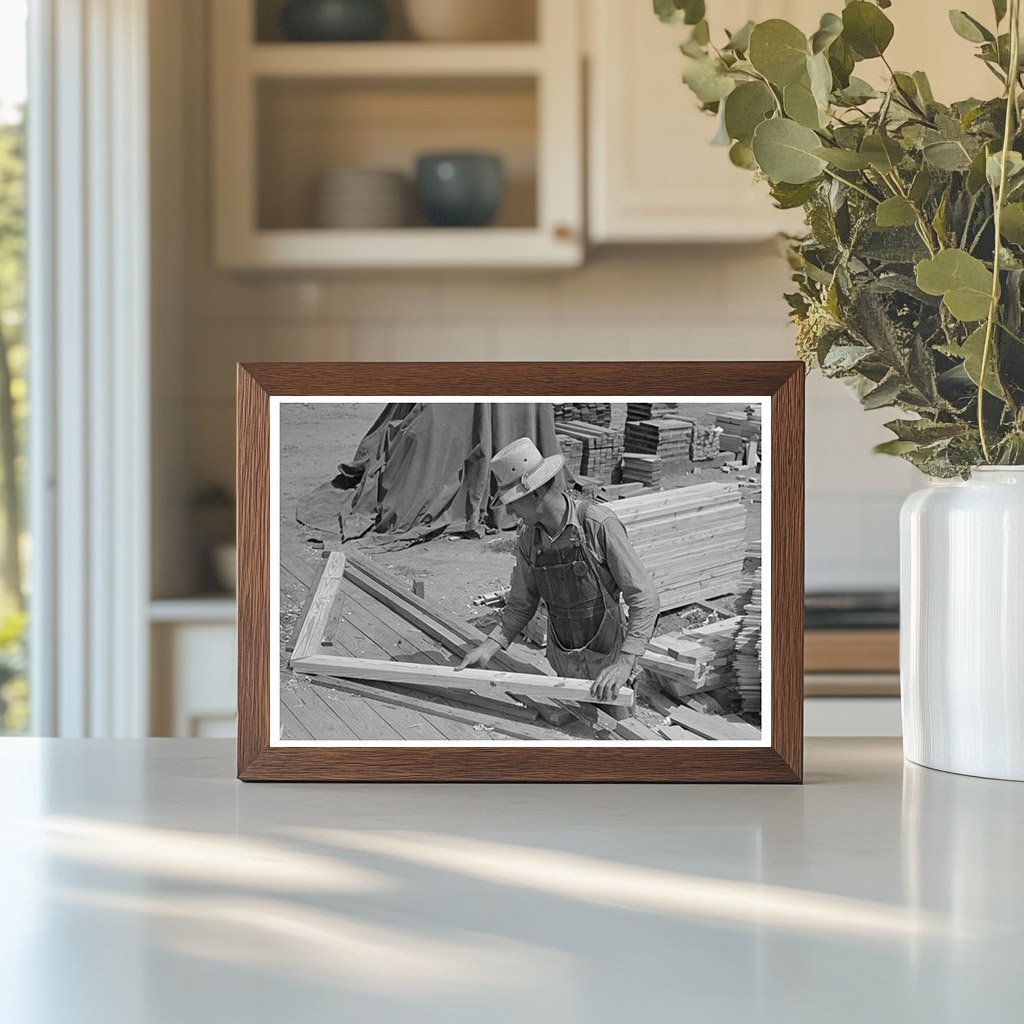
480	655
606	686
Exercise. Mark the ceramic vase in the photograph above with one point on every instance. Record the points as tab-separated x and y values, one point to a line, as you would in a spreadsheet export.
962	624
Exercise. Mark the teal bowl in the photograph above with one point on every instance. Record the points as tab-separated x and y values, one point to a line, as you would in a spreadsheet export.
460	190
334	21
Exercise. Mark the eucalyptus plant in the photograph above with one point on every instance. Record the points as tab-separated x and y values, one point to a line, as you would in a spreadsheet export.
910	278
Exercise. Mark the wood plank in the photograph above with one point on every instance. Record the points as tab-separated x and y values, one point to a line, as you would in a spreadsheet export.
414	648
317	719
303	611
481	681
677	732
291	727
429	705
715	727
449	630
357	713
315	624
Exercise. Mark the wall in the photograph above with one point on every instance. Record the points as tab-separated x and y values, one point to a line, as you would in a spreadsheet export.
652	303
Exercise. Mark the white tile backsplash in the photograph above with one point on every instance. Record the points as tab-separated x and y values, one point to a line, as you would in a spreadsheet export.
718	302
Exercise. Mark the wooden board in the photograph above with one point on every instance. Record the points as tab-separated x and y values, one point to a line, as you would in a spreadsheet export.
316	623
477	680
715	727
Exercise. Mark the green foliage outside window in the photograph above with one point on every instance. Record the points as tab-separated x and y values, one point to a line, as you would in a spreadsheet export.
13	414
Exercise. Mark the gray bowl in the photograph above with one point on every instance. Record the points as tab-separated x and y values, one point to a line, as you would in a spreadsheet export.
460	189
334	20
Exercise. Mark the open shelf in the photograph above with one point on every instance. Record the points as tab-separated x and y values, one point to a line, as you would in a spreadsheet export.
285	114
393	60
520	17
306	128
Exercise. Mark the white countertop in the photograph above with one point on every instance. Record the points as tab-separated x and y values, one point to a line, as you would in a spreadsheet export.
142	884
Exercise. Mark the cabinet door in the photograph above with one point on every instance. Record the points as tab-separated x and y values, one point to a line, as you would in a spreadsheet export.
653	174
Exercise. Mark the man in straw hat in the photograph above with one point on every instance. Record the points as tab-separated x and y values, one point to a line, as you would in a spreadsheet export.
576	556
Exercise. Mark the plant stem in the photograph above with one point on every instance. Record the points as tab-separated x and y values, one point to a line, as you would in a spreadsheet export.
855	187
993	309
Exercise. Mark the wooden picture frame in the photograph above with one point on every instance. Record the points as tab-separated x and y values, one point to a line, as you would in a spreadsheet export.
778	757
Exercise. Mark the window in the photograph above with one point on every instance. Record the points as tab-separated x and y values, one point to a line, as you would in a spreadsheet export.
14	704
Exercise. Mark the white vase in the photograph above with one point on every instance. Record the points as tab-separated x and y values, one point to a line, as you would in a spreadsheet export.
962	624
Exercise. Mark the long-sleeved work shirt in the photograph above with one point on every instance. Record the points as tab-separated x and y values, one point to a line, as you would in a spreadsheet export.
620	568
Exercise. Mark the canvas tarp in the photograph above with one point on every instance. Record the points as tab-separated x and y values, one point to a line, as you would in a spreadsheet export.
424	469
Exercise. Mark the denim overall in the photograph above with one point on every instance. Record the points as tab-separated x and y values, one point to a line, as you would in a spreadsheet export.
585	627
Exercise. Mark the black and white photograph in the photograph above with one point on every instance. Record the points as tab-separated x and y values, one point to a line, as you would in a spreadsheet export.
522	571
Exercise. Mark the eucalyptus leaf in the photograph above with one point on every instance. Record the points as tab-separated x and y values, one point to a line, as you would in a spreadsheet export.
963	281
841	60
708	81
741	155
739	41
895	212
969	28
883	153
972	352
999	7
675	12
884	395
789	197
829	30
785	152
946	156
779	51
800	105
866	29
745	108
895	447
844	159
1012	223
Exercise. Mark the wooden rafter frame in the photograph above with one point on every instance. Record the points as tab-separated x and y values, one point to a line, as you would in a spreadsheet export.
781	760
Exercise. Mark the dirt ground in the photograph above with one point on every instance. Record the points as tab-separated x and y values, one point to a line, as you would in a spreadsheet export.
316	438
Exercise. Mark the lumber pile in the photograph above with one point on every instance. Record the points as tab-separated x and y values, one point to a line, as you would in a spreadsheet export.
686	662
650	410
572	449
747	665
644	469
664	437
704	445
689	538
602	447
598	413
738	428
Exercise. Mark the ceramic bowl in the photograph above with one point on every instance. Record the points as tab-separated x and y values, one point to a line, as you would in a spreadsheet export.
334	20
460	189
471	20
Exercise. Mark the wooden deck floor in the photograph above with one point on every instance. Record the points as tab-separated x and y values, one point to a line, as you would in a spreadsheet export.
317	708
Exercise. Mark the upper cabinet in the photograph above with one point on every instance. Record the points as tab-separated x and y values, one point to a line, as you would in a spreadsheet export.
318	144
653	174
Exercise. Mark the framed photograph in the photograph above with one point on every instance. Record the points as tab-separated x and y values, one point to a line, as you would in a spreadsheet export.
520	572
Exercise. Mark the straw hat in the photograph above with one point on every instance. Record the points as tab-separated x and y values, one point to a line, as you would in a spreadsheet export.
519	468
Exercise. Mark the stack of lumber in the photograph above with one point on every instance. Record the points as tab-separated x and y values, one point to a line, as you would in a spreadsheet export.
650	410
645	469
737	429
602	447
599	413
747	665
705	445
686	662
664	437
573	450
689	538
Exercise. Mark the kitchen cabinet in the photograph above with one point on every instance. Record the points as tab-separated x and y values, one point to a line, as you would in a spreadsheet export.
286	113
653	175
